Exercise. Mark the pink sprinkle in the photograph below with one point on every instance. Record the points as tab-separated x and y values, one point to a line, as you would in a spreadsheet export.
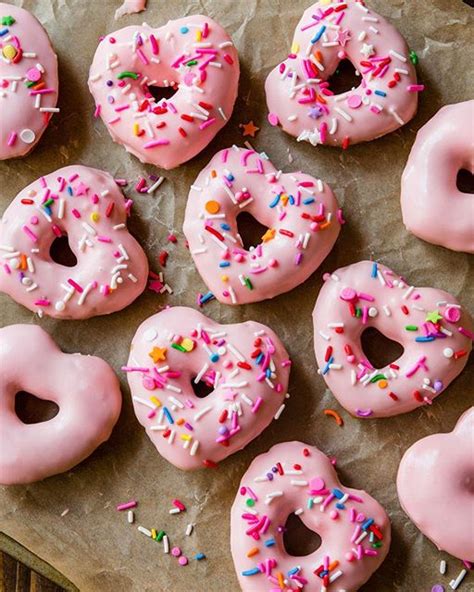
416	88
273	119
75	285
465	332
30	233
142	56
257	405
179	505
12	138
76	214
42	302
154	143
97	111
207	123
127	505
104	239
155	49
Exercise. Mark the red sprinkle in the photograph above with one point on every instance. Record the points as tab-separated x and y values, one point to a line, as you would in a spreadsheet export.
418	396
209	464
163	257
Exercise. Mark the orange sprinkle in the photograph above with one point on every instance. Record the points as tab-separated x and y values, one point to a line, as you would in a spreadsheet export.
335	414
324	225
321	99
281	581
319	56
213	173
212	206
23	264
253	551
382	384
333	565
180	421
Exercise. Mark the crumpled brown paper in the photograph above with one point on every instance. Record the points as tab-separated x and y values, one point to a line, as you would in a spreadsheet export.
93	544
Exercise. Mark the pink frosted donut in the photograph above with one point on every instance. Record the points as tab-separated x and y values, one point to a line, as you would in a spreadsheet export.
300	212
244	366
28	81
433	208
299	97
195	57
435	485
295	478
430	324
85	389
85	205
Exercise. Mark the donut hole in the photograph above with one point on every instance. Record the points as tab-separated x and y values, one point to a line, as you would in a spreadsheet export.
61	253
202	389
298	539
345	78
250	230
31	409
465	181
160	93
379	349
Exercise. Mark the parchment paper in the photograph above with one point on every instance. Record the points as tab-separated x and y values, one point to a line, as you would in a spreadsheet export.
93	544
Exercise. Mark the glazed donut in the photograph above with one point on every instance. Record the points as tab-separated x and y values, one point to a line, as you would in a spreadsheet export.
193	55
430	324
295	478
433	208
299	96
28	81
436	479
301	214
85	389
244	365
85	205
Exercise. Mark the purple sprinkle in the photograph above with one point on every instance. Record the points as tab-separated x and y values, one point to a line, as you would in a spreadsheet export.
437	588
364	412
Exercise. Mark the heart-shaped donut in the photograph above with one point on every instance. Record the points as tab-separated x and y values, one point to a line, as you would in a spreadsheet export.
86	206
299	96
300	212
244	367
192	56
436	480
28	81
85	389
435	332
293	478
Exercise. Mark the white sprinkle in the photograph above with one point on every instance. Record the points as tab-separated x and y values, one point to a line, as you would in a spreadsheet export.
194	447
442	567
343	113
144	531
203	412
299	482
189	529
166	545
280	411
396	116
395	54
130	517
144	402
455	583
49	109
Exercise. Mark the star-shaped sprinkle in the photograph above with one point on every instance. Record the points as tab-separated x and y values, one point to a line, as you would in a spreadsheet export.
81	189
434	317
158	354
155	286
343	37
315	112
8	21
249	129
367	50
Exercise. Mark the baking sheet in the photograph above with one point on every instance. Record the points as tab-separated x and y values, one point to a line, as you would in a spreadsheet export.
92	544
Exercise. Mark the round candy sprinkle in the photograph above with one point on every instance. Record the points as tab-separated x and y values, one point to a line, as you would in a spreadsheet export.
354	101
28	136
183	560
176	551
212	206
33	74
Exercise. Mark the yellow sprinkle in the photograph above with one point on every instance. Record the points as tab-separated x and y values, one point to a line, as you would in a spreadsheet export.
185	437
95	216
156	401
225	278
295	47
269	235
188	344
198	35
284	199
326	2
153	533
136	129
9	52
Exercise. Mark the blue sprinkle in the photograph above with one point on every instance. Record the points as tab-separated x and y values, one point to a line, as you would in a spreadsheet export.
425	339
3	32
338	493
168	415
293	571
291	199
380	93
308	201
259	358
340	506
225	226
230	177
184	30
326	368
374	270
224	264
69	190
275	201
368	523
200	556
268	372
251	572
269	543
319	34
214	357
206	297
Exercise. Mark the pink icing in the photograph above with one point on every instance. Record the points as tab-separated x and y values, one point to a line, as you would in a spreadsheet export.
28	95
245	363
435	485
85	389
196	56
295	478
86	205
403	313
432	206
300	99
300	212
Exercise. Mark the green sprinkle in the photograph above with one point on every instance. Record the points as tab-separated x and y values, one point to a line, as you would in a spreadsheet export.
127	74
310	503
178	347
8	21
192	63
248	283
358	312
48	203
30	84
378	377
160	535
250	503
411	328
413	58
377	545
